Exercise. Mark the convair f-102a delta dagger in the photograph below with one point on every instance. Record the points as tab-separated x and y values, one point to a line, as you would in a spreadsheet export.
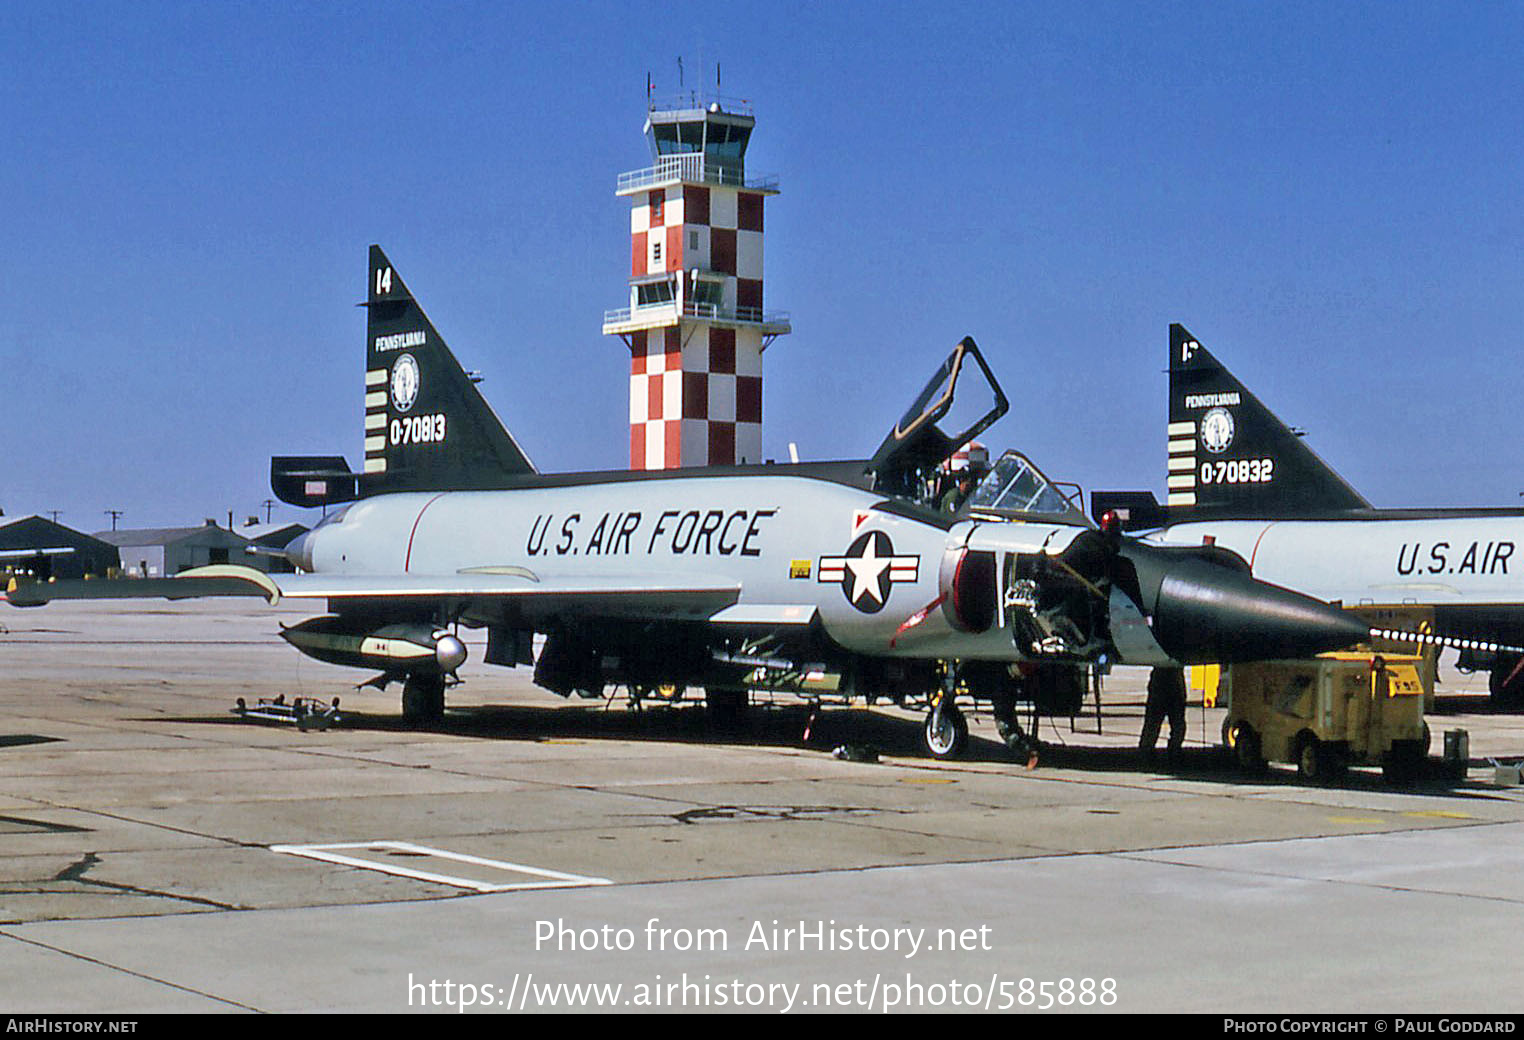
718	578
1240	479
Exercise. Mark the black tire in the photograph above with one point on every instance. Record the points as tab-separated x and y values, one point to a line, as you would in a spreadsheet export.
1226	752
1404	763
423	698
945	732
1246	749
1313	759
726	708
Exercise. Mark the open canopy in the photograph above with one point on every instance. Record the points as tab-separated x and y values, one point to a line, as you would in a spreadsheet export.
959	402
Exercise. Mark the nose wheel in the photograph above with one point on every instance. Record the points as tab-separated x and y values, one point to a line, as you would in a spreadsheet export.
946	730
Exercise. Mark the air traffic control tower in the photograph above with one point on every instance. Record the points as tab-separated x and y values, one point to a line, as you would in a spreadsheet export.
695	324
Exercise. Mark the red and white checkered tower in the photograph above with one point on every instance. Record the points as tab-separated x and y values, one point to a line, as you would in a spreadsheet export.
695	324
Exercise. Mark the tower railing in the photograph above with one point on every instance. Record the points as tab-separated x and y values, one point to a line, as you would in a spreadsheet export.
690	100
747	315
691	167
694	309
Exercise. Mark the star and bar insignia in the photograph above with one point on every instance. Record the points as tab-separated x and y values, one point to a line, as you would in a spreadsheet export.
868	571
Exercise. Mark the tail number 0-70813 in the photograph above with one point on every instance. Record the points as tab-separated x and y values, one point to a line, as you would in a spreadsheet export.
418	429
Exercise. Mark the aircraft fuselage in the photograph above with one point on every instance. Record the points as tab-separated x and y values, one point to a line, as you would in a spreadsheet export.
849	555
1461	565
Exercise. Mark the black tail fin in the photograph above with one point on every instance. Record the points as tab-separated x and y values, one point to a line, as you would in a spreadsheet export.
1230	456
427	426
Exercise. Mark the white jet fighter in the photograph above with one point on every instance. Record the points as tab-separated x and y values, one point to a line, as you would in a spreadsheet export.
1240	479
717	578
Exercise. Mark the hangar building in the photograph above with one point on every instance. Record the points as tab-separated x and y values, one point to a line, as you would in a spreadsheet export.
164	552
35	547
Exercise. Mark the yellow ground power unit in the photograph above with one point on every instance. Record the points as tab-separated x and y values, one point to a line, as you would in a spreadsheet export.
1329	712
1202	679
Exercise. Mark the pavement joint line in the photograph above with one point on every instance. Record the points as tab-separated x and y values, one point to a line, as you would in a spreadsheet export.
1284	792
1048	852
443	771
871	824
238	843
159	826
128	971
860	820
1144	786
1146	856
75	874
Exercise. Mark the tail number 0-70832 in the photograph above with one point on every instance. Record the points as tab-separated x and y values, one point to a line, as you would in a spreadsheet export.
418	429
1238	471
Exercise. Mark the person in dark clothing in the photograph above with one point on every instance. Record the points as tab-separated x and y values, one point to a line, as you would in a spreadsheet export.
1166	699
962	486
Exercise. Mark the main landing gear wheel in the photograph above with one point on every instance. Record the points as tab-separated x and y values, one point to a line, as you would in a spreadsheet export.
946	731
727	708
423	698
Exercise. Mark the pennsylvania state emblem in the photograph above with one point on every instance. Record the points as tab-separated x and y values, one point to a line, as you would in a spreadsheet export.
868	571
1217	430
405	382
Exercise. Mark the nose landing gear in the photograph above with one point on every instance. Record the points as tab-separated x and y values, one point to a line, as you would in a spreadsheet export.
946	730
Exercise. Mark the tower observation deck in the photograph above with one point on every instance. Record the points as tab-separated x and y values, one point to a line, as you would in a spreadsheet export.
695	325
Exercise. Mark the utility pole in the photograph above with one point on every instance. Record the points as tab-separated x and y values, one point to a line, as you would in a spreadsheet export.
114	514
269	504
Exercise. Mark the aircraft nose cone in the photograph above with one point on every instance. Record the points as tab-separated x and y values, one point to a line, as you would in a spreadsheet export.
298	551
1208	613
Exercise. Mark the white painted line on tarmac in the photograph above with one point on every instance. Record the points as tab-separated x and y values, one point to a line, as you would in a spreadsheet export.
332	854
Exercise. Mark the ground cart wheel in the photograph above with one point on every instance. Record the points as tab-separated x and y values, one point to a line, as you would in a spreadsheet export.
1312	758
1246	749
1404	763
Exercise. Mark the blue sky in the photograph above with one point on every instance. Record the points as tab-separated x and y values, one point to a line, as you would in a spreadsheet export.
1327	195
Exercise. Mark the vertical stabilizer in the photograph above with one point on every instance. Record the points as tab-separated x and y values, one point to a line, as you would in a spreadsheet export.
427	426
1230	456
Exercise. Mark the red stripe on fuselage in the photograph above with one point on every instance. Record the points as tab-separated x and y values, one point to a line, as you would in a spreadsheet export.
1255	551
408	561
